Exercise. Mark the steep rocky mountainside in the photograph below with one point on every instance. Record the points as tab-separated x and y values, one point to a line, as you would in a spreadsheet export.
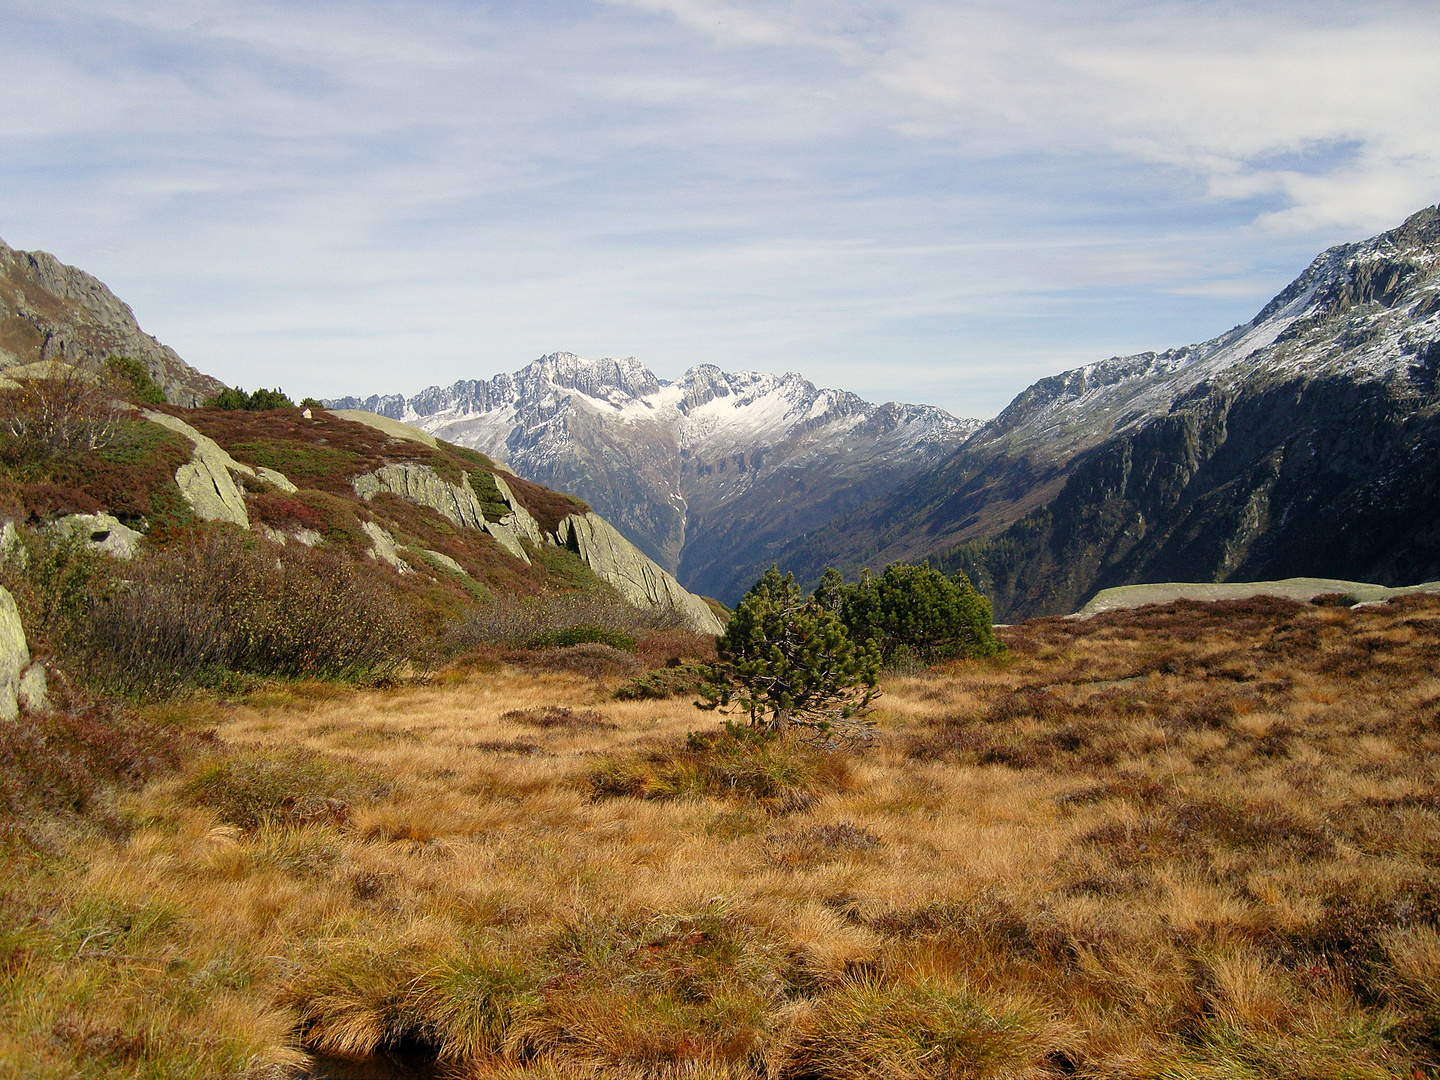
50	311
1305	442
710	474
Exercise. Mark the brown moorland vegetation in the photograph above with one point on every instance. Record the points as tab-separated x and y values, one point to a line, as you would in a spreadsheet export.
1193	841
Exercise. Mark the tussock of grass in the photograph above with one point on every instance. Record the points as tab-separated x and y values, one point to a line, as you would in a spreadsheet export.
280	788
781	774
869	1029
1195	841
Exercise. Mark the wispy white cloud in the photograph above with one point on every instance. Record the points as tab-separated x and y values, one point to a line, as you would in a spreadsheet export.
370	195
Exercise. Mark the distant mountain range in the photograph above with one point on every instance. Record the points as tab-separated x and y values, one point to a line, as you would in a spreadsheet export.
710	475
1305	442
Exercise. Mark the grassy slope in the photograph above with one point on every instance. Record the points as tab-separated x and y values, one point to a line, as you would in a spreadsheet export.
1189	841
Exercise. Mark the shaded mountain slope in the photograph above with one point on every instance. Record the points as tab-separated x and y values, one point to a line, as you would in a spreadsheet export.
1301	443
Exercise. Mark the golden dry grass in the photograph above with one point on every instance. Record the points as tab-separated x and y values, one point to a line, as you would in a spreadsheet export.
1193	841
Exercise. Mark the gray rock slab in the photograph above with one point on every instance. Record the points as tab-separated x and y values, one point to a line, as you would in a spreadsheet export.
444	561
1300	588
206	481
33	690
14	656
384	548
519	518
99	532
635	576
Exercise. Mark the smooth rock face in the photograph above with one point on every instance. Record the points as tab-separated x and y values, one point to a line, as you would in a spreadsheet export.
205	479
14	655
519	518
100	532
33	691
211	493
1125	597
634	575
384	547
10	543
441	559
422	485
276	480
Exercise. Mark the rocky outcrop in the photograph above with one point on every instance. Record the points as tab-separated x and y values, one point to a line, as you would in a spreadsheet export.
99	532
457	503
1127	597
50	311
384	548
634	575
205	480
21	682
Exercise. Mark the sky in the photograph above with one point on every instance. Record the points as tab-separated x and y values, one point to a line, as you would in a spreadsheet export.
919	200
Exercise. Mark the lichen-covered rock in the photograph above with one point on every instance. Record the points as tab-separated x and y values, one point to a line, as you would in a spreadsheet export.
635	576
211	493
10	544
440	559
205	479
457	503
423	486
14	655
33	690
519	518
384	547
99	532
273	477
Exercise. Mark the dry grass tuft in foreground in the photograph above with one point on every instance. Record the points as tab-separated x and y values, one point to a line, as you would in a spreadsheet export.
1192	841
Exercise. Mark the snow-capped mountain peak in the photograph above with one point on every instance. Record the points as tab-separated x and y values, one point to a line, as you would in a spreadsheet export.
674	464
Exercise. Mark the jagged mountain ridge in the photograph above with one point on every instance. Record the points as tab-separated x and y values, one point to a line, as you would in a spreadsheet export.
1301	443
51	311
708	474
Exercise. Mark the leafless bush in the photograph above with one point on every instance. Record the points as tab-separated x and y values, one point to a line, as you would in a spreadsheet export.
217	606
60	415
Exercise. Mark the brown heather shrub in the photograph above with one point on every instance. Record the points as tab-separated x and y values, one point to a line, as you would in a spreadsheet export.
223	604
545	620
69	758
559	716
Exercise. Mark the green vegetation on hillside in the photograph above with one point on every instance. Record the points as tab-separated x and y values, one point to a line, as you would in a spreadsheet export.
233	397
912	612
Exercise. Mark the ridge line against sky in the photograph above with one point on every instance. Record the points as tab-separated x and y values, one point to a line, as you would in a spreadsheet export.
918	201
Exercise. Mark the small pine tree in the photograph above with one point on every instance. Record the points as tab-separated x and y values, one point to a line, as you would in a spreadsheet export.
913	608
788	661
132	380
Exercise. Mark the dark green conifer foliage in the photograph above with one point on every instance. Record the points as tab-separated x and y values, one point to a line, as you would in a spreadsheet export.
786	660
236	398
914	608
